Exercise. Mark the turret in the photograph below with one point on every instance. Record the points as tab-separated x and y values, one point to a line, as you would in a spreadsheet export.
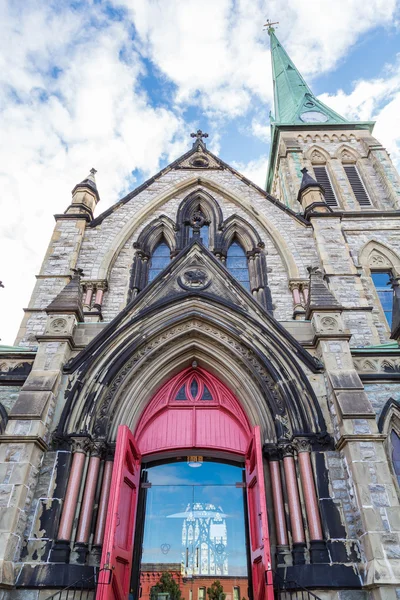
84	197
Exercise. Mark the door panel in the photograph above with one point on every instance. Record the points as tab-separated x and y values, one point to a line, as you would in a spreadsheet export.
259	536
120	525
195	532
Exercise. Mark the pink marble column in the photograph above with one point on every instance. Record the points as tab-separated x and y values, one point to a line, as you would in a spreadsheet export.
310	496
305	294
279	508
88	297
82	536
99	298
71	496
296	519
296	295
103	505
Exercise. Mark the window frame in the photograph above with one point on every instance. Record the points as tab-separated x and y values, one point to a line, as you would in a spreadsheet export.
237	243
376	292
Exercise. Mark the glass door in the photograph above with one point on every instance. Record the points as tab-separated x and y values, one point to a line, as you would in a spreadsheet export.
194	535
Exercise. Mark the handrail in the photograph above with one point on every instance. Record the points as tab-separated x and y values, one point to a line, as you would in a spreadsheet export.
80	590
295	591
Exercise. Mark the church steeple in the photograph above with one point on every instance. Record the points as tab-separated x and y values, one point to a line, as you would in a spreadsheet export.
295	104
299	116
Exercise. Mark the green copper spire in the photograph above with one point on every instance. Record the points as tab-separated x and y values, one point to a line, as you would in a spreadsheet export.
295	104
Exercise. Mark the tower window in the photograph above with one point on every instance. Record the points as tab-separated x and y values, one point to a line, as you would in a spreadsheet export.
159	260
357	185
382	285
322	176
395	444
236	263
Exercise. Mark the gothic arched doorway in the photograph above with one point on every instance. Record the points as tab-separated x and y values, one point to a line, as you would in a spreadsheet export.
192	420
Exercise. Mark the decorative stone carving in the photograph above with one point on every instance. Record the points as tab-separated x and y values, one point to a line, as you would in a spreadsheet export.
80	443
58	325
376	259
377	365
329	323
195	278
347	157
317	157
302	445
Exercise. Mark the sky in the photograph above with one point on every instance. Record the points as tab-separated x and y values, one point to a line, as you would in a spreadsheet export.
119	85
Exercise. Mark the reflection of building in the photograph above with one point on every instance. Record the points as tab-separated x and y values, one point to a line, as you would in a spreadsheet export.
204	540
192	588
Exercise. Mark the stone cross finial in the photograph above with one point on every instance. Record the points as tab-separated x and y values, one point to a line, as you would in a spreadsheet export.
93	171
199	134
78	272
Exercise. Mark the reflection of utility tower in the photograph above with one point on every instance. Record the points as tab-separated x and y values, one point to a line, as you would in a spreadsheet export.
204	532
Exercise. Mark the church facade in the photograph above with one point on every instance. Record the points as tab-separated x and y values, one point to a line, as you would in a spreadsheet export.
203	399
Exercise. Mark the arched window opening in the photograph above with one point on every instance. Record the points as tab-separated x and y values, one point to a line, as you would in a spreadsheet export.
236	263
395	453
160	259
382	283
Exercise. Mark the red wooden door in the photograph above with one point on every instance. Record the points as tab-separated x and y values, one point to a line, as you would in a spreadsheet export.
260	551
120	525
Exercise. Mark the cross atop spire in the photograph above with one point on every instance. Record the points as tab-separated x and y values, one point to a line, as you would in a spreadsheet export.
198	135
270	26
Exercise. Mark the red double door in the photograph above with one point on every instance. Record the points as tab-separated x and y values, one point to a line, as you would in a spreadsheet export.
119	534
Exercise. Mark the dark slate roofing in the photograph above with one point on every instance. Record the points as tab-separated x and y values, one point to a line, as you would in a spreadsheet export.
174	165
319	296
69	300
89	182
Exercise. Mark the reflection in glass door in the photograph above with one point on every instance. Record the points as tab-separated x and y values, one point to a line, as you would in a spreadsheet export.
194	540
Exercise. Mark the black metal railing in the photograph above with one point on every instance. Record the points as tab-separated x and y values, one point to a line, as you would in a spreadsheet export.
82	589
291	590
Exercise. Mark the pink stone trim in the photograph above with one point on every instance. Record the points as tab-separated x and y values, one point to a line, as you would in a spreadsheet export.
85	519
71	496
99	298
105	493
279	510
310	496
296	519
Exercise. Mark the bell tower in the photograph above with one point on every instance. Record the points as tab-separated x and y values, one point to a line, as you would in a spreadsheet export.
342	156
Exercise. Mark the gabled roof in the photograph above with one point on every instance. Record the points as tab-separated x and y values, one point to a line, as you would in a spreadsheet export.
183	163
195	272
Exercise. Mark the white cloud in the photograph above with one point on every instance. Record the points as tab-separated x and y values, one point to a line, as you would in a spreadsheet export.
374	100
255	170
71	97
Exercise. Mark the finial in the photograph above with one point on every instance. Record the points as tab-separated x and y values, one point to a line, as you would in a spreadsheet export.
78	273
93	171
199	134
270	26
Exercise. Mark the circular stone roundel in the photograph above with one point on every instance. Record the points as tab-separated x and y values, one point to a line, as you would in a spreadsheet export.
194	279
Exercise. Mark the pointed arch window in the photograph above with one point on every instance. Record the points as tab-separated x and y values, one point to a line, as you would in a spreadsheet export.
160	259
382	283
395	453
236	263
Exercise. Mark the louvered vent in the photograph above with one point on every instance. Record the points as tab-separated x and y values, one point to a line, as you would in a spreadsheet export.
321	175
357	185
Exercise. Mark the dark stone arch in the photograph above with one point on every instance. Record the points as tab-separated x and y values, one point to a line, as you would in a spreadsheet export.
235	228
202	201
282	382
161	229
